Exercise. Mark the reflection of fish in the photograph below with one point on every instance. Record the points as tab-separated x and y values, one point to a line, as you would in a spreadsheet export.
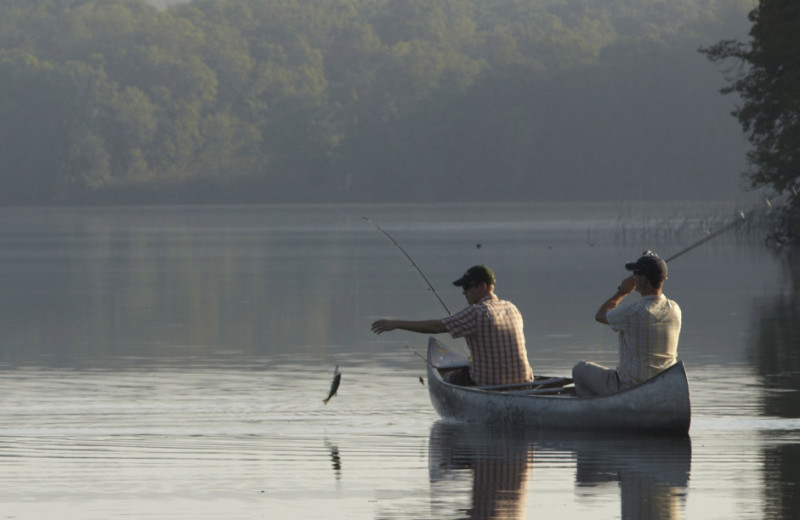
337	378
336	460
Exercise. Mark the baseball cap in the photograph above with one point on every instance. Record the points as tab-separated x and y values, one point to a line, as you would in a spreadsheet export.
477	274
650	266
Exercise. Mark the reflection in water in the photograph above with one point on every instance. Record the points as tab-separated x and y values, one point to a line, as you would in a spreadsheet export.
336	460
499	462
164	283
776	356
652	471
775	351
781	480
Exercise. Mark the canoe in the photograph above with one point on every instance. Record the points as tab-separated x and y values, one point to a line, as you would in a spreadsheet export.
660	404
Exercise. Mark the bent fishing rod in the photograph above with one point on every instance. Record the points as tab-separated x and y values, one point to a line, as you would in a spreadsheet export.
411	260
730	225
723	229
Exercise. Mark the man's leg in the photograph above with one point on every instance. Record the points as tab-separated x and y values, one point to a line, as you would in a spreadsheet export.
593	379
460	377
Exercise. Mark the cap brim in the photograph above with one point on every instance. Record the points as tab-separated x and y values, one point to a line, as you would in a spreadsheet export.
461	282
631	266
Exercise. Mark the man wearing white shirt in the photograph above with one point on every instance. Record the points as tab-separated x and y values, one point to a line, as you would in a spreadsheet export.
648	330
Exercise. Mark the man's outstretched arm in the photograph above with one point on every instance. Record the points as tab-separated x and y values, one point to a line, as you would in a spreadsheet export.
421	326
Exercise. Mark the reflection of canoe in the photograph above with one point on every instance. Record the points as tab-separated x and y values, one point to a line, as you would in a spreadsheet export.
600	456
660	404
651	470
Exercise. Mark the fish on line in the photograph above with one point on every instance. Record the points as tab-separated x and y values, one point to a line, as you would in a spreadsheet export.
337	378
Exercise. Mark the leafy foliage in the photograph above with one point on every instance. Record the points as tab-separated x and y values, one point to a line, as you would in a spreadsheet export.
273	100
768	81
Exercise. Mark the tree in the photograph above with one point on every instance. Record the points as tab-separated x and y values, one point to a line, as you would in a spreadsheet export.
225	100
768	82
51	149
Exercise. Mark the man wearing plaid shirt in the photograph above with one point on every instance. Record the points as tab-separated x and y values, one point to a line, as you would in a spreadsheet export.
492	328
648	331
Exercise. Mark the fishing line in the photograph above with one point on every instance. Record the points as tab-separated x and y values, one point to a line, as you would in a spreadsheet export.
411	260
416	353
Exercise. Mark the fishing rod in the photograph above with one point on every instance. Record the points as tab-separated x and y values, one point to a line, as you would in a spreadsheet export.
730	225
411	260
723	229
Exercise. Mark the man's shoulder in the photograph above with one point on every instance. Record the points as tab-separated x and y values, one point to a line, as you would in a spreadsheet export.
469	309
493	299
645	308
674	308
663	300
624	307
496	303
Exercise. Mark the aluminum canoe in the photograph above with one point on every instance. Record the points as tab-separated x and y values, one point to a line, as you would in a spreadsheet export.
661	404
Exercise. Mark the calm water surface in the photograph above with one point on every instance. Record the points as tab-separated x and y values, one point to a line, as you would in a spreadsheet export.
171	363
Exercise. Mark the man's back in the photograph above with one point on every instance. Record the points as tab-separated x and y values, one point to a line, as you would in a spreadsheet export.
648	337
493	329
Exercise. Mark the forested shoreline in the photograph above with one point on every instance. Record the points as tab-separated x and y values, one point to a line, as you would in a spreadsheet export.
224	101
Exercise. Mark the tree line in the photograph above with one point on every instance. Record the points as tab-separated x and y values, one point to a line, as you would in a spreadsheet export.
120	101
765	73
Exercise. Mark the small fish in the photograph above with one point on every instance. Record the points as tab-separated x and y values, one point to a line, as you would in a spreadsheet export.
421	381
337	378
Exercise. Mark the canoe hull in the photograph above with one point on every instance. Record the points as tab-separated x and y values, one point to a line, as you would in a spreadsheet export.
660	404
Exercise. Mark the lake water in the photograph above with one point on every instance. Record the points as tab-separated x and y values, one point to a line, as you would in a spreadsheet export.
168	363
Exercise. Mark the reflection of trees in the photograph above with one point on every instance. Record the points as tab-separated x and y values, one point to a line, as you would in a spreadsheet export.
775	352
775	349
652	471
114	285
781	480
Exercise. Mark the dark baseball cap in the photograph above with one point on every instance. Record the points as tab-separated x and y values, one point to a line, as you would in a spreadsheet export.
650	266
477	274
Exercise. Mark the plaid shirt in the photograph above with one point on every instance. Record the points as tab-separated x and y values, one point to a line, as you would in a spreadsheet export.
493	331
648	337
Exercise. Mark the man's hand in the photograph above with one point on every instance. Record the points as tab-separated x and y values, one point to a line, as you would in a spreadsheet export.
625	288
627	285
383	326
